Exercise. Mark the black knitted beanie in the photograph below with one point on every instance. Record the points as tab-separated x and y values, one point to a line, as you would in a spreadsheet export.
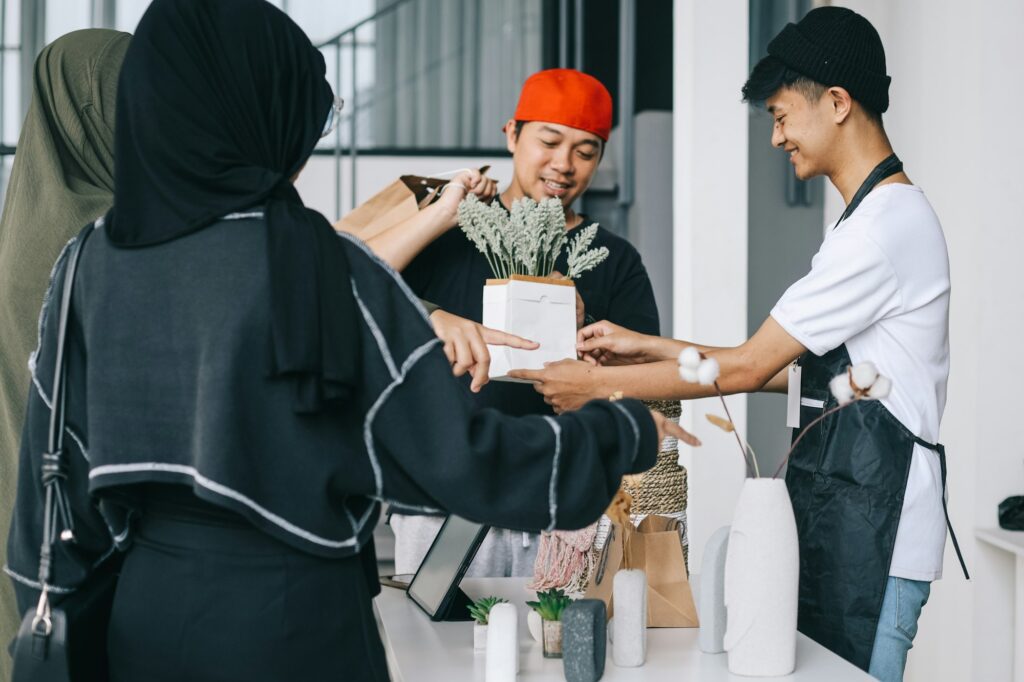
835	46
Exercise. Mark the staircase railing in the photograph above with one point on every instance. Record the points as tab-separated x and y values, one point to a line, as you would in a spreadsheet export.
349	39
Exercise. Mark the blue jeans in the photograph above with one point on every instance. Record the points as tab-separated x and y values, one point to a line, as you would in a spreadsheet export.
897	627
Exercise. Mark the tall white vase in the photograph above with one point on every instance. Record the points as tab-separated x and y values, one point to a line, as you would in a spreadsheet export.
762	571
629	626
711	600
502	663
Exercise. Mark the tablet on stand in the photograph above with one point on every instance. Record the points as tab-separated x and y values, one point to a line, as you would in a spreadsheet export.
435	587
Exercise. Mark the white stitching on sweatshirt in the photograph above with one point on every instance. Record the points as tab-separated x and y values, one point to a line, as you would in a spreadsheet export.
553	484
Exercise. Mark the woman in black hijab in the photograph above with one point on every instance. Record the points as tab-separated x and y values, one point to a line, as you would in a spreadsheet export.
245	386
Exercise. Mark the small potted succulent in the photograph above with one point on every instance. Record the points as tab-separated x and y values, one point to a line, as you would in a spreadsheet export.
480	610
550	604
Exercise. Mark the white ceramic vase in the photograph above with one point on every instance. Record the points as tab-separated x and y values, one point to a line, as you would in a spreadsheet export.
479	637
711	600
535	624
629	596
762	571
502	662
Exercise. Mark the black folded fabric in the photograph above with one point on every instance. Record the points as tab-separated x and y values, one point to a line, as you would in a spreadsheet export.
1011	513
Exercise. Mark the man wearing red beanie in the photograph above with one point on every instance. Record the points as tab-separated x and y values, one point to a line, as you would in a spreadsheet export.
557	137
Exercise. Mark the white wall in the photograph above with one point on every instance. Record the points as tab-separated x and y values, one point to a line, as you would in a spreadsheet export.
650	216
710	234
954	121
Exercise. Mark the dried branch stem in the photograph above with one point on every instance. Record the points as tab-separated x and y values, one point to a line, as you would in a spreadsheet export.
804	432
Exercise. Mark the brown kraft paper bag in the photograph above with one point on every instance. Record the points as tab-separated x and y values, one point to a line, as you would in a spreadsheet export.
654	547
399	201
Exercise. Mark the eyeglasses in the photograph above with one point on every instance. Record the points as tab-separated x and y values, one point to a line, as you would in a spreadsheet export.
333	117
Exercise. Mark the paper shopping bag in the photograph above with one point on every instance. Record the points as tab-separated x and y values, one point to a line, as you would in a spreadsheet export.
393	204
397	202
540	309
654	547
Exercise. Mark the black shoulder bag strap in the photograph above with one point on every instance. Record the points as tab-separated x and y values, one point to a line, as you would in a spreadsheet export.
45	626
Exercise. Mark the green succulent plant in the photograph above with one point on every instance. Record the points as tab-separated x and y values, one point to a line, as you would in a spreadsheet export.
481	608
550	604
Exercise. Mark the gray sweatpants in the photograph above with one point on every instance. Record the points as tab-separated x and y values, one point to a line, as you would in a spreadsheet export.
503	553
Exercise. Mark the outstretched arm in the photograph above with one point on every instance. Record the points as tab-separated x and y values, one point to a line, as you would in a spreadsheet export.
527	473
746	368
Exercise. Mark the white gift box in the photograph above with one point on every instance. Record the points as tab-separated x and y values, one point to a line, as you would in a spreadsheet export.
535	308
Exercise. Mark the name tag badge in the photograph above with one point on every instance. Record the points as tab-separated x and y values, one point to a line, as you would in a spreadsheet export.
793	397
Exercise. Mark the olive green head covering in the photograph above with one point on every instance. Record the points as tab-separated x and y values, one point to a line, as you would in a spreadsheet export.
63	178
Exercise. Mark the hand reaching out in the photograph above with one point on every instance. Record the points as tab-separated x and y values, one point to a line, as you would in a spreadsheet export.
465	345
604	343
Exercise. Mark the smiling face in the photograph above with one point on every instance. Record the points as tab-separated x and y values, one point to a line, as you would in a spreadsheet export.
805	129
552	160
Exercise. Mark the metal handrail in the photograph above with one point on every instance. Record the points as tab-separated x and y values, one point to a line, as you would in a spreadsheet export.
362	22
339	41
627	126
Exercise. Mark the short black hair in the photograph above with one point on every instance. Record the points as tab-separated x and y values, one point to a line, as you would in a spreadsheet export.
771	74
519	128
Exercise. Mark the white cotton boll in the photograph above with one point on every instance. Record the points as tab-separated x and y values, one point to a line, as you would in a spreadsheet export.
690	358
864	374
880	389
841	388
688	375
707	373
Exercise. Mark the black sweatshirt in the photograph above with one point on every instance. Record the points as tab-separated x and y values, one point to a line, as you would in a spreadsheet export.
168	383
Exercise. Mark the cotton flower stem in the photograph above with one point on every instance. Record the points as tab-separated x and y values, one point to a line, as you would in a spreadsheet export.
804	432
753	458
739	441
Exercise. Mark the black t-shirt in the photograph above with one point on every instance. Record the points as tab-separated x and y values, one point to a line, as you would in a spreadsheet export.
451	273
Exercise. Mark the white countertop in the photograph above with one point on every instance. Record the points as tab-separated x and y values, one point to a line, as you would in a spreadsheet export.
420	650
1010	540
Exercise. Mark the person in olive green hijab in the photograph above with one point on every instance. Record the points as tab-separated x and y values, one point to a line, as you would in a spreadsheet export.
63	178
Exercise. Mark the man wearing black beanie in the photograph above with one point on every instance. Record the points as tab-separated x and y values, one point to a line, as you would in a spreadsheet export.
868	483
878	291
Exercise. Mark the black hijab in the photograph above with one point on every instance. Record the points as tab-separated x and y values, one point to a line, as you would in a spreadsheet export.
219	105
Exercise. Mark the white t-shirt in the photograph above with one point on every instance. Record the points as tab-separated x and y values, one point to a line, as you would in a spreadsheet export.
880	284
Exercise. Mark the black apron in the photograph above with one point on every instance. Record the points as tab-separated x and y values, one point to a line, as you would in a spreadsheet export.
846	479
